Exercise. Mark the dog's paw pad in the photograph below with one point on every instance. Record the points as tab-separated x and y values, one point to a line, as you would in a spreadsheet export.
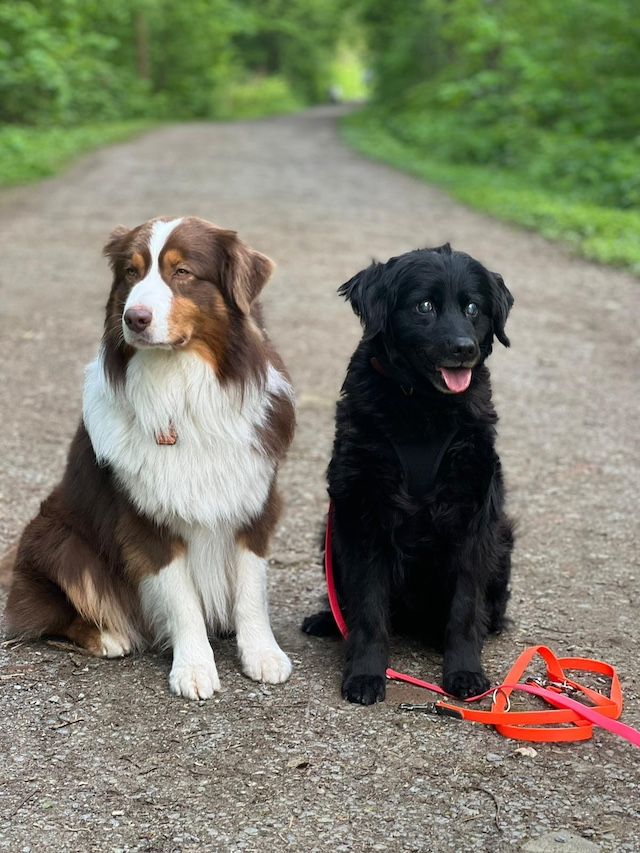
464	683
113	645
364	689
195	680
270	665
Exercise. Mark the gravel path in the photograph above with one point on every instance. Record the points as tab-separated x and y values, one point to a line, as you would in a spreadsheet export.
98	755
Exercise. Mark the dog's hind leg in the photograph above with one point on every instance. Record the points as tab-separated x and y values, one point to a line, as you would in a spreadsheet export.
61	588
321	624
36	606
39	608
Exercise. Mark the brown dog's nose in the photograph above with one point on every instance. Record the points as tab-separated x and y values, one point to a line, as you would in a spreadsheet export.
138	318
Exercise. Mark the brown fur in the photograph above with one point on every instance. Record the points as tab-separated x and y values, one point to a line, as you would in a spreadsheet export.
202	321
6	566
59	576
256	535
79	562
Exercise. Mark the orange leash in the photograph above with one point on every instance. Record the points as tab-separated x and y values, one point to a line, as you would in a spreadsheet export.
567	720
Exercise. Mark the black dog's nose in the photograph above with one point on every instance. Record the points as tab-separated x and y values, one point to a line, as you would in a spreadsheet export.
464	348
137	319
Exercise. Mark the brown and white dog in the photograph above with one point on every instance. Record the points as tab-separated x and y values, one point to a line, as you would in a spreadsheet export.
160	526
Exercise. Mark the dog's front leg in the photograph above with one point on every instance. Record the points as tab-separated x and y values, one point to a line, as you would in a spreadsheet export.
262	658
466	630
365	566
172	606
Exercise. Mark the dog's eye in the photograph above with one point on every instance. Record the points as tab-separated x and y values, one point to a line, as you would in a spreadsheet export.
132	272
182	271
425	307
471	310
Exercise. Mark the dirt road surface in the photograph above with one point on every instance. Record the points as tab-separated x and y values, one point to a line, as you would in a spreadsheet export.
97	754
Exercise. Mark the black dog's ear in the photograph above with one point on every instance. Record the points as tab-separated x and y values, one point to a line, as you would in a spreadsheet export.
501	300
445	249
368	298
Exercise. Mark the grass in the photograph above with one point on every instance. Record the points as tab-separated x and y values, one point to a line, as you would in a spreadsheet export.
257	97
31	153
606	234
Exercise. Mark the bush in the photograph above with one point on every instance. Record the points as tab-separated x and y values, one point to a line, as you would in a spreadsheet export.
74	61
256	97
547	91
28	153
599	232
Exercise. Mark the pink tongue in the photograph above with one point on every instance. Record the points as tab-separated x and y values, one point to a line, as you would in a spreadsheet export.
457	379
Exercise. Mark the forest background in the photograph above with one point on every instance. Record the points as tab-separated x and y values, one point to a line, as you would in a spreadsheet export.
526	110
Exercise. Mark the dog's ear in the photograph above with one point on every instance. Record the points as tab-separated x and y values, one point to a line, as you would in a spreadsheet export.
369	298
115	244
244	271
445	249
501	302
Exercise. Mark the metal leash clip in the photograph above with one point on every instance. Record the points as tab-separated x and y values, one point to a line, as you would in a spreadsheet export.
432	708
562	686
427	707
506	696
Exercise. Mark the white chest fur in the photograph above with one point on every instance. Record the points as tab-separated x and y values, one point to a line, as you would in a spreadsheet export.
217	472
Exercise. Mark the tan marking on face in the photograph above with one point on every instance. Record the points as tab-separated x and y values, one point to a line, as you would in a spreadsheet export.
203	324
172	259
137	261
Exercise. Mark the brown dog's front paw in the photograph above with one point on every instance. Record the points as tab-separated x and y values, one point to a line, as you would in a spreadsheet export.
364	689
463	683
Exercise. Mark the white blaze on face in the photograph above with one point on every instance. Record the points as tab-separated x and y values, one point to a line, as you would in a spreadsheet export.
153	293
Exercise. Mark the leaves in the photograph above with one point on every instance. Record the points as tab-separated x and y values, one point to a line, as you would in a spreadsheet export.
545	91
78	61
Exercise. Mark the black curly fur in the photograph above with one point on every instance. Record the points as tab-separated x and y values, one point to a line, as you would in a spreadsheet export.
437	564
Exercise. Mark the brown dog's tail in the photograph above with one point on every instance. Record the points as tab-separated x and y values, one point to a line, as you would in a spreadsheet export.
6	566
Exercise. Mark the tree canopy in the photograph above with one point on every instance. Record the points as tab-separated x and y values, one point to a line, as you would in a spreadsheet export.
77	61
546	88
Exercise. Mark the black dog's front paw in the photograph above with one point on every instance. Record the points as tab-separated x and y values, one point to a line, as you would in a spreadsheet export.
364	689
463	683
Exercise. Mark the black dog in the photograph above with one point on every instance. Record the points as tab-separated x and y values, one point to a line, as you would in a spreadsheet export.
421	542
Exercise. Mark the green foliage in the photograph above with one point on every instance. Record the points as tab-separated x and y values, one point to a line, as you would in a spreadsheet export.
528	110
597	171
605	234
76	73
349	74
31	153
570	66
76	61
60	63
257	97
295	38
